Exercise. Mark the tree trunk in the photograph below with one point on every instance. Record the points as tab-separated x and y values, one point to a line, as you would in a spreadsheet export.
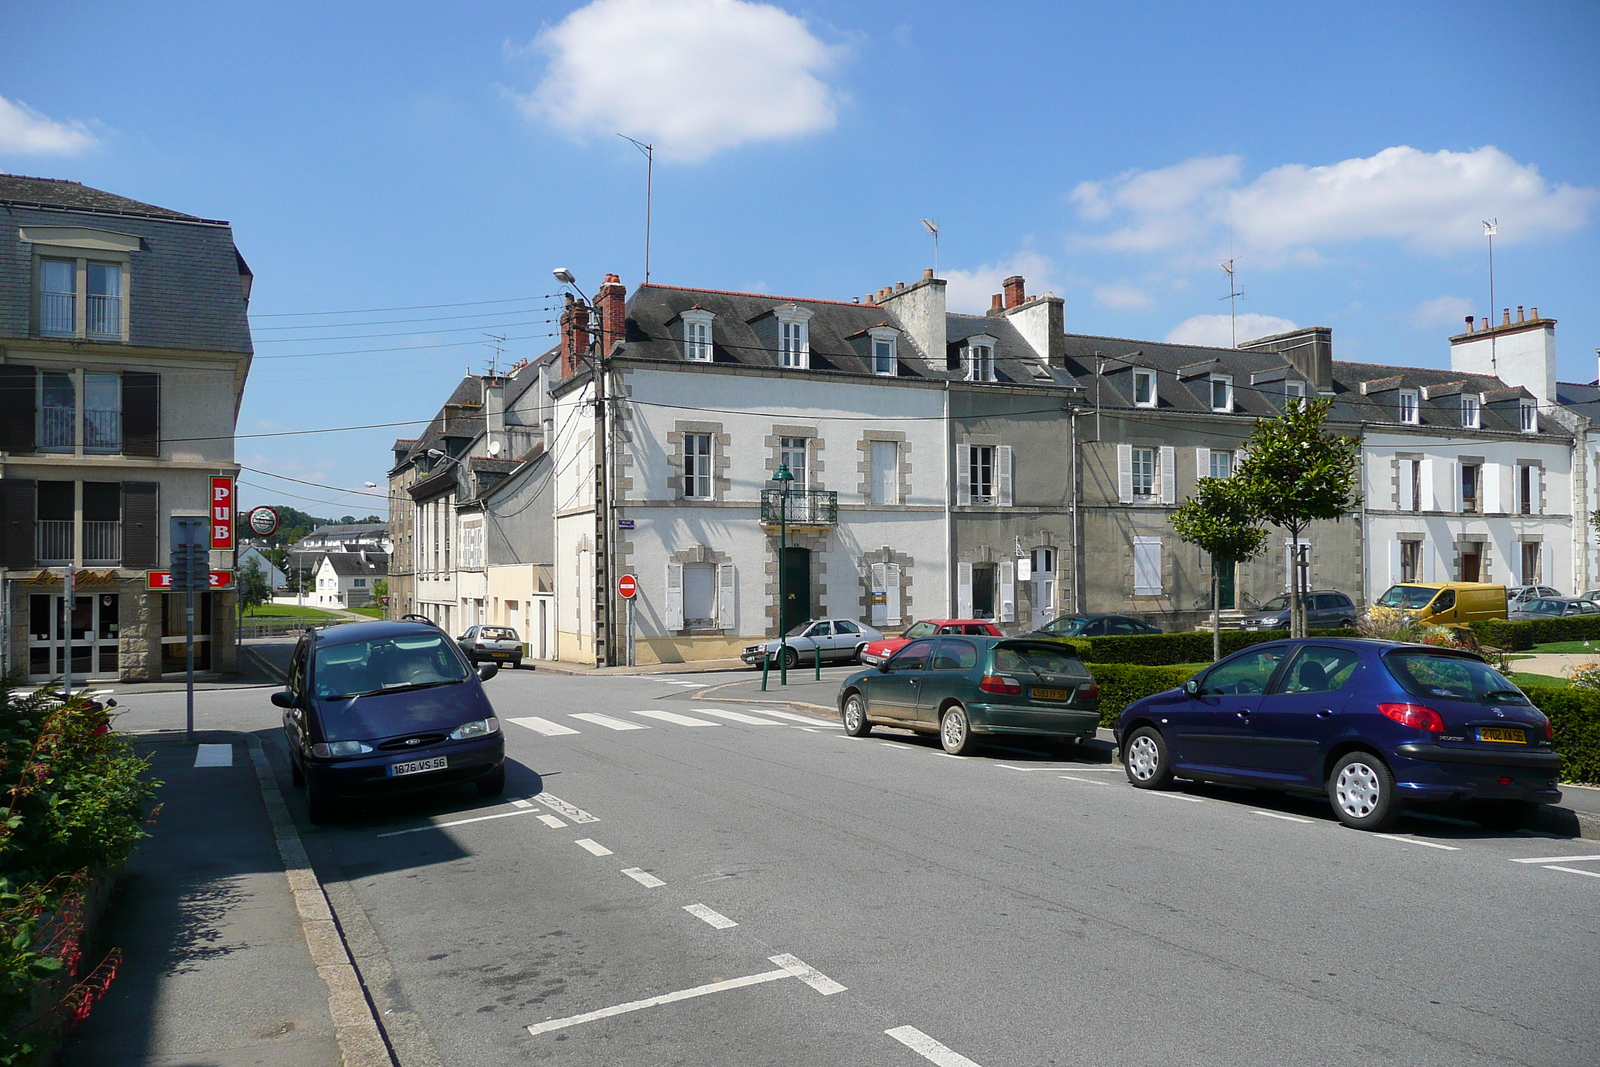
1296	618
1216	611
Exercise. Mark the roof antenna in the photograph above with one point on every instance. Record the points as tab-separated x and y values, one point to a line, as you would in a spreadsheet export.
649	151
1490	228
933	228
496	342
1233	295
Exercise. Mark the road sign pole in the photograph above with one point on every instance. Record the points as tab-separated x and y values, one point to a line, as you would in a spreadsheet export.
188	659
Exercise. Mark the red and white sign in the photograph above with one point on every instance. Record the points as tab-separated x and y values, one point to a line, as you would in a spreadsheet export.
162	580
222	513
628	586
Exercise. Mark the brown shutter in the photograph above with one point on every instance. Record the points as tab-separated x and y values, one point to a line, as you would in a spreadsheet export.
141	414
141	525
17	386
16	522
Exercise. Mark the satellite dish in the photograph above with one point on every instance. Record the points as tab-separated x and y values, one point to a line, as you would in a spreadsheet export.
494	448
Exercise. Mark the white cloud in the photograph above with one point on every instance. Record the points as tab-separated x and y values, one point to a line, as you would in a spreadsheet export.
24	131
1123	295
692	77
1431	201
1216	330
1442	311
970	290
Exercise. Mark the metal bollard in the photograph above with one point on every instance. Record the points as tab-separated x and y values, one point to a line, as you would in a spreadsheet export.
819	663
766	662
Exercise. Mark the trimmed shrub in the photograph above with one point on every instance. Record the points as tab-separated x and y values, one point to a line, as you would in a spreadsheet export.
1575	716
1160	650
1519	634
1123	683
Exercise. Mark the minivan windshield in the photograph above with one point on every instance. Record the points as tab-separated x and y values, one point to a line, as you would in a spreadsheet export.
1429	674
1407	597
1277	603
386	664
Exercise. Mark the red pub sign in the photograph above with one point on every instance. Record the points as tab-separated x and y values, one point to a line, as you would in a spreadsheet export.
222	512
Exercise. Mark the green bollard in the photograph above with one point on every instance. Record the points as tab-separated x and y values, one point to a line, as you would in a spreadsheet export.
783	664
766	661
819	663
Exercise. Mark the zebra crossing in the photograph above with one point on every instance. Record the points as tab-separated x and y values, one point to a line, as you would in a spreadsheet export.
552	727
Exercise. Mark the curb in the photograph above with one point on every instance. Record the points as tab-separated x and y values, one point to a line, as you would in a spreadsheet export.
356	1026
261	662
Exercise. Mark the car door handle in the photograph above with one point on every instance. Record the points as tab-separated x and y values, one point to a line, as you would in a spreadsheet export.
1245	715
1324	713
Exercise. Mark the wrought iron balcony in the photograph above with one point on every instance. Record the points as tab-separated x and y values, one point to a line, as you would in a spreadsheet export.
799	507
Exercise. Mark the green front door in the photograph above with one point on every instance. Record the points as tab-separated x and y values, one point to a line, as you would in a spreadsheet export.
1224	569
796	587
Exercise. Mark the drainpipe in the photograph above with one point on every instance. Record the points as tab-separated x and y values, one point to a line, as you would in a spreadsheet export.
1076	539
949	514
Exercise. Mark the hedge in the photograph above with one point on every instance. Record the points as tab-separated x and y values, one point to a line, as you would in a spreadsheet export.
1520	634
1575	715
1158	650
1123	683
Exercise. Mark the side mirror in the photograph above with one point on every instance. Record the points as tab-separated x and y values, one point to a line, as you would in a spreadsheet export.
487	671
283	699
883	667
1191	687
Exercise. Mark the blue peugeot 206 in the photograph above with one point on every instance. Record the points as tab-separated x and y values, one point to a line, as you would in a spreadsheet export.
378	708
1373	724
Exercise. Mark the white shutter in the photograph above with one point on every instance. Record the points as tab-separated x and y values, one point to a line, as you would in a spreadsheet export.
1427	553
1125	473
1202	463
727	606
878	581
1169	474
674	596
1534	493
964	590
1394	562
1238	461
891	590
1446	483
1425	500
1146	566
1402	473
1002	459
1490	487
963	474
1008	591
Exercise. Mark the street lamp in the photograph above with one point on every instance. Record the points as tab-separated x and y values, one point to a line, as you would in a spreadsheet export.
783	476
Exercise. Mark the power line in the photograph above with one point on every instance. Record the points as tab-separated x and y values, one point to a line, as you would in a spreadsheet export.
407	348
391	322
401	333
296	496
412	307
315	485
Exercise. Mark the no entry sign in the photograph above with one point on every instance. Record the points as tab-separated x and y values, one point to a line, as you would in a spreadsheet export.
628	586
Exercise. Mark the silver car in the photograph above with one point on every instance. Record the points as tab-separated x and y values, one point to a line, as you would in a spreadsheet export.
841	641
491	644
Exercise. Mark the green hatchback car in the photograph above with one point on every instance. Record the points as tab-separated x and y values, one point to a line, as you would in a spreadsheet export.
963	687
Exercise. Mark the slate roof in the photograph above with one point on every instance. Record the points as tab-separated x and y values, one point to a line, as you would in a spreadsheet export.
351	565
1439	392
62	193
1581	397
1182	374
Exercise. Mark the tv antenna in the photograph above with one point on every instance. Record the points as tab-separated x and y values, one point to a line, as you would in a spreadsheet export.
1233	295
1490	228
496	342
649	151
933	228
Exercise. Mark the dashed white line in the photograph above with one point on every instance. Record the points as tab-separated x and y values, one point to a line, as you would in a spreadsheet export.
1280	815
810	720
1405	840
1008	767
1085	781
676	719
713	918
213	756
552	822
1572	870
735	716
457	822
571	811
607	721
808	974
543	726
665	998
1556	859
644	877
593	848
521	804
1174	796
897	746
928	1048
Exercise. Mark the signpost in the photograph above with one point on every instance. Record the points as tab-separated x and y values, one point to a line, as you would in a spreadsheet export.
628	590
190	569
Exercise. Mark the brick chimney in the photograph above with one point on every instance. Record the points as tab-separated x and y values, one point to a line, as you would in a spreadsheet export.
611	308
1016	290
574	336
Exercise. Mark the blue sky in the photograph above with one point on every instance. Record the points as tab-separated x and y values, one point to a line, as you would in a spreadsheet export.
397	155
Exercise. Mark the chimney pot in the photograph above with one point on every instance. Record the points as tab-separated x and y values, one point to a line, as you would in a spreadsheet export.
996	302
927	274
1015	290
899	286
855	300
1472	323
1519	313
1535	314
1505	316
1485	324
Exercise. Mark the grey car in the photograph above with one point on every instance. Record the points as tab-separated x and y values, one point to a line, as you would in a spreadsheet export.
1554	608
1326	609
491	644
841	641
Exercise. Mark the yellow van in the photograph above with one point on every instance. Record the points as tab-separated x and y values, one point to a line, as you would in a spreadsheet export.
1446	603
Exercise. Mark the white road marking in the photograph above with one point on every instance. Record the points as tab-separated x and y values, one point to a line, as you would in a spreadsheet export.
1085	781
946	755
808	974
735	716
680	720
457	822
213	756
552	822
714	918
593	848
572	812
1572	870
1174	796
644	877
665	998
521	804
810	720
686	685
607	721
928	1048
1285	818
1557	859
1008	767
897	746
543	726
1405	840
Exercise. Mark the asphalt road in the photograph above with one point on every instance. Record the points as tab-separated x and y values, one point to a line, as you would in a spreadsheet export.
670	880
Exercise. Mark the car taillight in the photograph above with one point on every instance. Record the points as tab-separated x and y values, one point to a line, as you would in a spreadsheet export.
1549	729
479	644
1414	715
1090	691
1000	683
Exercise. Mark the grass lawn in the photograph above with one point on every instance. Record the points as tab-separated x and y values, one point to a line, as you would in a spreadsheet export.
373	613
1520	679
286	611
1576	647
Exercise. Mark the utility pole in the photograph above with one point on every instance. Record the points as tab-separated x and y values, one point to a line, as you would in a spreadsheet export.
1490	228
602	515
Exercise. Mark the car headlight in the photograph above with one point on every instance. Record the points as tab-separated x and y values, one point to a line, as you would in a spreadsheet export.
481	728
328	749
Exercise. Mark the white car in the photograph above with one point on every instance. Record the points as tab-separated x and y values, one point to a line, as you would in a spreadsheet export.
841	641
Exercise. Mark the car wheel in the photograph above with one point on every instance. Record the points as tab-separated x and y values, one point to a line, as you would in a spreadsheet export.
1502	814
854	714
320	805
1145	760
492	785
297	774
1361	789
859	649
791	657
1348	624
955	731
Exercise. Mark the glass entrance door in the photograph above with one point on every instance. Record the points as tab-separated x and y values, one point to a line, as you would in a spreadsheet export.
89	630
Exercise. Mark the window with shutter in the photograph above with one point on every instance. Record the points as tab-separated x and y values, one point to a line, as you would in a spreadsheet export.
1125	474
727	606
877	593
1003	462
1008	592
674	597
963	475
964	590
892	615
17	396
1169	474
1147	566
141	525
17	522
141	414
1202	463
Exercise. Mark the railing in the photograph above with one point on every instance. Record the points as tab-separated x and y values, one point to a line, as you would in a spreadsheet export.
102	431
102	542
799	507
58	314
53	541
55	427
105	316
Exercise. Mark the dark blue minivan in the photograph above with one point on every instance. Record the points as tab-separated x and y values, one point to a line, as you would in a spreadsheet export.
379	708
1373	724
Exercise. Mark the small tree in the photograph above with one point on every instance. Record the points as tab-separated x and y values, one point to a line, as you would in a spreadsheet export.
1221	519
1296	473
253	586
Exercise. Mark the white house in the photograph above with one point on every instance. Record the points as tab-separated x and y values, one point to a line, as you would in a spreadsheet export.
346	579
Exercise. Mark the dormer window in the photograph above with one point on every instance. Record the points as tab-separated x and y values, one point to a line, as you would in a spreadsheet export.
794	336
979	360
1408	407
1469	412
1221	392
697	335
1530	416
1293	393
885	352
1144	388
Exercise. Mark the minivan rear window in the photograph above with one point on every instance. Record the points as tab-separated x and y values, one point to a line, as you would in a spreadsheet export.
1429	674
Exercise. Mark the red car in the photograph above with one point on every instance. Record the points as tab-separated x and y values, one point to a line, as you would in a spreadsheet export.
878	651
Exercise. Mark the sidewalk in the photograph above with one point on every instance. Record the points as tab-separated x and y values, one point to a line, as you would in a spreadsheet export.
701	666
216	967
